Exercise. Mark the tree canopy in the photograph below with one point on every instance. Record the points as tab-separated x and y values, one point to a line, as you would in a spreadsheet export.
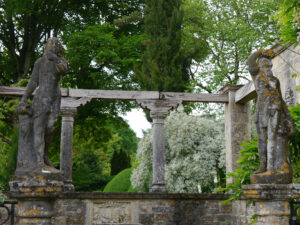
288	18
233	29
26	25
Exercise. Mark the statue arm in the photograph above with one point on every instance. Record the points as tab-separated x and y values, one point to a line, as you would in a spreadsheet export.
51	56
61	63
252	65
33	83
62	66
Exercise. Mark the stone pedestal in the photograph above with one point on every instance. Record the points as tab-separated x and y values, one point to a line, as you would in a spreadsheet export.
158	111
272	201
35	193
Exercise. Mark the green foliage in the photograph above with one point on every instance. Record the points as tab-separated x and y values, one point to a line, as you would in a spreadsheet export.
295	144
164	65
100	138
254	219
26	25
88	172
8	159
100	57
247	164
2	196
119	162
288	21
8	141
121	182
248	161
194	154
233	30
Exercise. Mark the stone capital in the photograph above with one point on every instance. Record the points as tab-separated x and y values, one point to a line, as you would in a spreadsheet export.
159	108
229	88
68	111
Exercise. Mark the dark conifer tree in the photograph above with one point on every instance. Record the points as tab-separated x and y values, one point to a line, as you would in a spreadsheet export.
119	162
164	68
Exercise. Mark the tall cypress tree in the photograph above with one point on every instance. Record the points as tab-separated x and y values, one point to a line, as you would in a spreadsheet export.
164	68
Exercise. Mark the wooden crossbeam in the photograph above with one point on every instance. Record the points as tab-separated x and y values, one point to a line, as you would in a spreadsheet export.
19	91
113	94
245	93
195	97
124	95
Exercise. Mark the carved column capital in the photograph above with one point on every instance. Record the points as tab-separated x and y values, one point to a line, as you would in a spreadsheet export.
159	108
68	111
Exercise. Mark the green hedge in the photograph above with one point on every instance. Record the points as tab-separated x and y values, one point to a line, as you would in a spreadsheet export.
121	182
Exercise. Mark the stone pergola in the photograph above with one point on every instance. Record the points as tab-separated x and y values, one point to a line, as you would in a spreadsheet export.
237	120
272	199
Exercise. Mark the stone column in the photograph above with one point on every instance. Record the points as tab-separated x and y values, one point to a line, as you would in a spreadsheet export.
237	127
158	111
66	144
272	201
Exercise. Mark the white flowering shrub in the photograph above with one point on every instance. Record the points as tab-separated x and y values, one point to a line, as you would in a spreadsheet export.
194	152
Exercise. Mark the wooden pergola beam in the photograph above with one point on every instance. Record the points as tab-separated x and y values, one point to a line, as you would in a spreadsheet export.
245	93
124	95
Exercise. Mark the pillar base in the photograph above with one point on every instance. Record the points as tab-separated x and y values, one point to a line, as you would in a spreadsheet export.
36	193
282	176
159	188
68	187
41	183
272	201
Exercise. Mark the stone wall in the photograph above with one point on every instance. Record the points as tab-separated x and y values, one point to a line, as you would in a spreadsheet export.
285	65
141	209
242	212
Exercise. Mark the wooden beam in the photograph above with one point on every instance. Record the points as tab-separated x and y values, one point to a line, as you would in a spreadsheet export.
195	97
68	102
112	94
123	95
19	91
245	93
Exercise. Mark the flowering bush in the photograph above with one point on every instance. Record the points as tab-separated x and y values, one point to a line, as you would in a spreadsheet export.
194	153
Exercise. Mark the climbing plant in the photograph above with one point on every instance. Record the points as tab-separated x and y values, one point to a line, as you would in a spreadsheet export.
248	161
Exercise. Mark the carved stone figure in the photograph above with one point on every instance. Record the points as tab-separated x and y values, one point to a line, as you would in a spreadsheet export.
37	120
274	124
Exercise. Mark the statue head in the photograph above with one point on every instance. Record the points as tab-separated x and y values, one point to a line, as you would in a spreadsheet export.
54	46
264	63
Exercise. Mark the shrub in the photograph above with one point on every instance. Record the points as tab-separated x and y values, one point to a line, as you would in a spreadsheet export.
88	172
121	182
194	153
2	196
247	164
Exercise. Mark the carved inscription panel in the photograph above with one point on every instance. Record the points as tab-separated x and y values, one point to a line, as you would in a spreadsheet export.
112	212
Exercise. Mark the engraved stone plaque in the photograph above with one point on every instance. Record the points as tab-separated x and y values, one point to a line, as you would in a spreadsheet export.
111	212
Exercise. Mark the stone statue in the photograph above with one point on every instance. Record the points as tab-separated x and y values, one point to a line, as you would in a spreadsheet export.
37	120
274	124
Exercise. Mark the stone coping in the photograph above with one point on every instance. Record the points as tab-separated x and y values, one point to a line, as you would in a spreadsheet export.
135	196
146	195
272	191
272	186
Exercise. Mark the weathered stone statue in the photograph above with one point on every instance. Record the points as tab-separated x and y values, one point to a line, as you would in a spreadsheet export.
274	124
37	120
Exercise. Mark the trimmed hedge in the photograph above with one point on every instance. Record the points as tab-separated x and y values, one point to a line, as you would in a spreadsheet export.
121	182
